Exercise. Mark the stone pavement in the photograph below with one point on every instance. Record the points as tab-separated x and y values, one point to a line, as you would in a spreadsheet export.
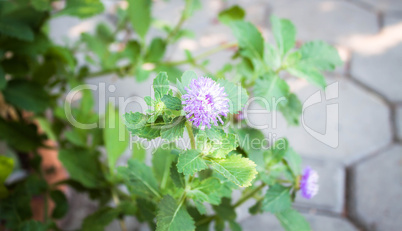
361	177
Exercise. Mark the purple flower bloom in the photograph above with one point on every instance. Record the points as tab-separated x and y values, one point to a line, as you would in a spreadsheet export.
309	183
205	102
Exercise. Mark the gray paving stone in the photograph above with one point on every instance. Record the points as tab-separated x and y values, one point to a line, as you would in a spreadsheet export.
332	21
387	6
378	58
317	222
377	191
398	118
361	128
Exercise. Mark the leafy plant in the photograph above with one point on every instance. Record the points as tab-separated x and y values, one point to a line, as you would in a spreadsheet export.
185	188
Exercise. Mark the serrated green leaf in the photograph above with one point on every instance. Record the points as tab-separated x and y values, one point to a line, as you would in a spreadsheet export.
206	190
236	168
115	136
156	50
309	73
82	8
277	199
139	179
172	102
237	95
174	130
173	217
249	38
292	109
272	89
161	85
272	57
277	151
190	162
61	203
177	178
291	220
320	55
219	148
26	95
215	133
135	121
185	80
16	29
139	12
285	34
231	14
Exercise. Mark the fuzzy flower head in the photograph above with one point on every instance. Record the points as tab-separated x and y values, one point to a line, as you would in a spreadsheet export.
309	183
205	102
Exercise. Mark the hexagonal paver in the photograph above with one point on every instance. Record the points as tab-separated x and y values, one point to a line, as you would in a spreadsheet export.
360	127
317	222
398	119
377	191
331	21
377	62
387	6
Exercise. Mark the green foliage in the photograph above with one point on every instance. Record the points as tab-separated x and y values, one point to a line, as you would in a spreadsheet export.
172	216
36	75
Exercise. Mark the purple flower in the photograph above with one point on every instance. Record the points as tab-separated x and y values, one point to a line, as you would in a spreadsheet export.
309	183
205	102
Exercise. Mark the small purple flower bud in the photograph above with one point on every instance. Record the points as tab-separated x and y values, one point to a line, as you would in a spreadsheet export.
205	102
309	183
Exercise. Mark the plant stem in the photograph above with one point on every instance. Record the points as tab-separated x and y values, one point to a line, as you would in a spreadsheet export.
248	195
181	21
190	134
117	202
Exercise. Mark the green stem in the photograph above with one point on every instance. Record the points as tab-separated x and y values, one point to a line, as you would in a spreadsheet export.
181	21
248	195
190	134
117	202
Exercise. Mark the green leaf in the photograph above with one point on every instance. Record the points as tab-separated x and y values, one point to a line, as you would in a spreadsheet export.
139	179
16	29
186	78
320	55
215	133
98	220
235	168
174	130
173	217
237	95
177	178
248	137
277	199
115	136
219	148
234	226
172	102
294	161
21	136
61	203
272	89
156	50
41	5
206	191
285	34
32	225
3	81
277	151
26	95
272	57
138	151
82	8
231	14
139	12
83	166
6	167
291	220
292	109
135	121
225	210
161	85
311	74
161	162
249	38
190	162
